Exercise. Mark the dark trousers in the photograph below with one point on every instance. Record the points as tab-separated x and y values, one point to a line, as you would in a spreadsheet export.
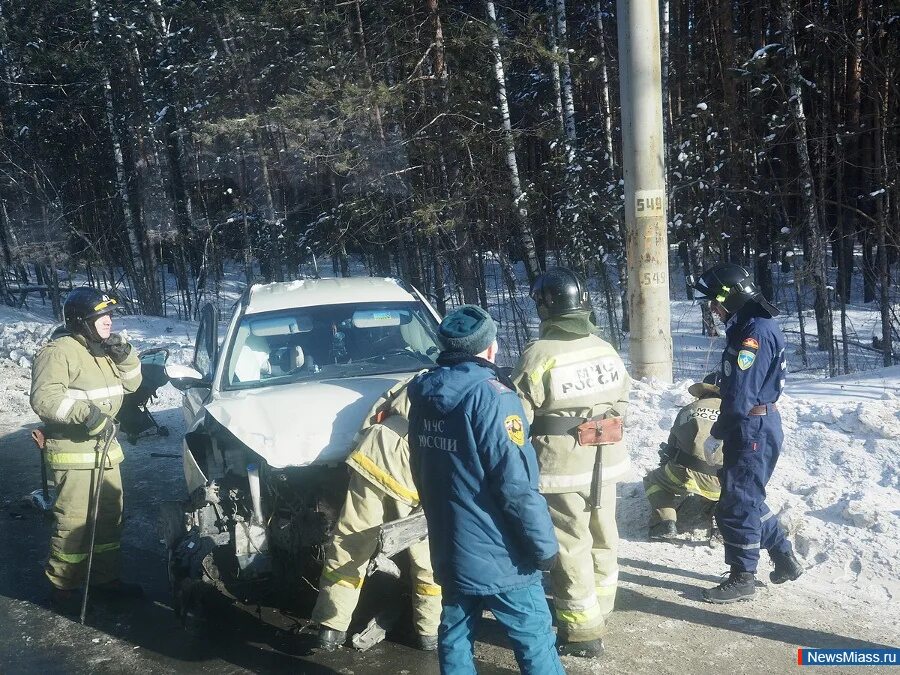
524	615
745	521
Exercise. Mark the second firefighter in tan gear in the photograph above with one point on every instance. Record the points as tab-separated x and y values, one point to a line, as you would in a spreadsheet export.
686	470
381	489
567	376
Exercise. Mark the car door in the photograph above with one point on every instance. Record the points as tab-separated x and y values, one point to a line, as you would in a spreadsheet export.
206	354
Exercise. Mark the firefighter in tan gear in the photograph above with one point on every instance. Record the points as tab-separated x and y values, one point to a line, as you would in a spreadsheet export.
566	377
77	384
381	489
685	469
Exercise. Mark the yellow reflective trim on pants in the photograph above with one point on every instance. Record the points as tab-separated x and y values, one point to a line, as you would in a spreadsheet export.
76	558
575	617
90	458
342	580
706	494
653	489
581	611
428	589
690	485
383	477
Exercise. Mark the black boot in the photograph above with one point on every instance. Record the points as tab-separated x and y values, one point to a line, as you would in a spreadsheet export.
663	530
787	567
589	649
738	586
331	639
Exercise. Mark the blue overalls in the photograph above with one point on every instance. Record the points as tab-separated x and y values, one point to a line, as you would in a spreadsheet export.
753	370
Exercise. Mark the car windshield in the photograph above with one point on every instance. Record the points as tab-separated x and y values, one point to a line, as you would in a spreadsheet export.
317	343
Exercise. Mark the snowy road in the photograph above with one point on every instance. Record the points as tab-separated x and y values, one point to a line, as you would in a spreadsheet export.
659	625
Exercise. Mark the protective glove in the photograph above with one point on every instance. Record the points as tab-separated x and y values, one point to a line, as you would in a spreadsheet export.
116	348
548	564
666	452
102	426
710	446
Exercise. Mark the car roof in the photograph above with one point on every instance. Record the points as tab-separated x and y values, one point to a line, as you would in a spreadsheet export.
316	292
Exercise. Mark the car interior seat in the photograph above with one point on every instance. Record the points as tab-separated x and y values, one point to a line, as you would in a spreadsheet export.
252	363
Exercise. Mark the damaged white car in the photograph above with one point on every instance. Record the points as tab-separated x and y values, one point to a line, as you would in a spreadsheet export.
271	414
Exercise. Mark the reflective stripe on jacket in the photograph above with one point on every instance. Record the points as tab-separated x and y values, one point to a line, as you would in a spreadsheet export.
381	452
70	390
565	374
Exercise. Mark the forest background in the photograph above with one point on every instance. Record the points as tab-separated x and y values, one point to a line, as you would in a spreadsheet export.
148	145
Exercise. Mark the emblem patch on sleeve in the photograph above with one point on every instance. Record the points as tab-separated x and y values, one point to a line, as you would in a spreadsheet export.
750	343
515	429
745	359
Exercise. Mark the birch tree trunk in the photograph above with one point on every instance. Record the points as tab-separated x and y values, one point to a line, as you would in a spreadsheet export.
555	76
526	238
605	109
568	100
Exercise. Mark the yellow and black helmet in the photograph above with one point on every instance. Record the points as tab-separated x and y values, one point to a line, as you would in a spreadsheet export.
82	308
732	287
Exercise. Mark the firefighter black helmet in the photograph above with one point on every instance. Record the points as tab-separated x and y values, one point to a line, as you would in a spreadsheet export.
732	287
560	291
83	307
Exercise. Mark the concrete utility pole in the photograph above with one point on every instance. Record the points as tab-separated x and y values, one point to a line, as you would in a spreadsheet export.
646	245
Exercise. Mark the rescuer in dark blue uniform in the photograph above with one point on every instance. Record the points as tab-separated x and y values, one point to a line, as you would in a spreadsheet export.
477	476
749	425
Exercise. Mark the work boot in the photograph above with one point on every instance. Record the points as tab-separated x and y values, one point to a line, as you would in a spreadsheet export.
787	567
663	530
588	649
738	586
330	639
117	590
427	643
65	601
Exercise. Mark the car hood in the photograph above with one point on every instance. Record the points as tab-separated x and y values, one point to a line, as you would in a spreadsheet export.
303	423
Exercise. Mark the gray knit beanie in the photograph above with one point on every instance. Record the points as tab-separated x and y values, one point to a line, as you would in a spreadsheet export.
467	329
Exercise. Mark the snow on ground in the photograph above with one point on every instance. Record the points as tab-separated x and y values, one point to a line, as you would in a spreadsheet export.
837	484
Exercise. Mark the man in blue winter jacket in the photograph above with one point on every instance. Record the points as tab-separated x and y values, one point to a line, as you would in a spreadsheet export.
749	429
477	474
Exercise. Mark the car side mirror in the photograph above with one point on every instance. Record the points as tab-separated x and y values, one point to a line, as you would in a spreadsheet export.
185	377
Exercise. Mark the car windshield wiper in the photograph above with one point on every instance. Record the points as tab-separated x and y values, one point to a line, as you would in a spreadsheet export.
394	352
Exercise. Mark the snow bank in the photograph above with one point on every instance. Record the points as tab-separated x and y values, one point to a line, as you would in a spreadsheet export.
836	486
23	333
